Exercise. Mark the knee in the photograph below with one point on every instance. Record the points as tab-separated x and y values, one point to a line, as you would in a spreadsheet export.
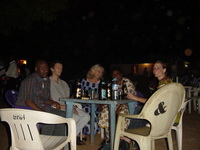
86	117
76	118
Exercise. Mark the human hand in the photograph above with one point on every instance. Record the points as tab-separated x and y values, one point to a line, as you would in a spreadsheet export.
55	105
130	96
75	111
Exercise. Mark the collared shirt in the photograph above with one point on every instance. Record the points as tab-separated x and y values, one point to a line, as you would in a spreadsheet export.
35	89
59	89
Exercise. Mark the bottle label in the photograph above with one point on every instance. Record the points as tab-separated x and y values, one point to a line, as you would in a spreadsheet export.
103	94
115	95
78	93
109	93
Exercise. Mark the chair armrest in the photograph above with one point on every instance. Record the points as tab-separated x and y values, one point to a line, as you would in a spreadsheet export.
22	107
78	105
131	116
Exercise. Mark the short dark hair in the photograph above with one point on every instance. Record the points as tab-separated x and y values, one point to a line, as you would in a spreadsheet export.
39	61
117	68
52	64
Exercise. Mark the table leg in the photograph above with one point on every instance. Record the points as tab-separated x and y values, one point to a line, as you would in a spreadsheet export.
69	111
112	125
131	107
92	124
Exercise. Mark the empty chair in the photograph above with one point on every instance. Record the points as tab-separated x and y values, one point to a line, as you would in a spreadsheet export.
24	132
196	99
188	90
177	126
160	111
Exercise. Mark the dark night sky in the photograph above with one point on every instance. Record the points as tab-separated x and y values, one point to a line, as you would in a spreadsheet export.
94	31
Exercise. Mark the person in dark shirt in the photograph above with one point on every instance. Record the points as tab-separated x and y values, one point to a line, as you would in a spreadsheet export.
34	92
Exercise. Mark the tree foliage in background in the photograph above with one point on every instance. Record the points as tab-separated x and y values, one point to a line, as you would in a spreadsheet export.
21	14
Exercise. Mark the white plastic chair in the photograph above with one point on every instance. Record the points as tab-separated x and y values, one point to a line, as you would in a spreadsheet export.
80	107
24	132
178	127
160	111
193	94
188	96
196	99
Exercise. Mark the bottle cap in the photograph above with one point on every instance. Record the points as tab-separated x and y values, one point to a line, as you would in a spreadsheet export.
114	79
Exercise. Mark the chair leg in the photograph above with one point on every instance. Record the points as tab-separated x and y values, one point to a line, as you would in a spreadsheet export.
153	144
189	107
169	140
194	104
179	138
145	144
198	103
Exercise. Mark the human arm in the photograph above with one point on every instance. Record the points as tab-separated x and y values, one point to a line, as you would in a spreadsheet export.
63	107
54	104
134	97
33	105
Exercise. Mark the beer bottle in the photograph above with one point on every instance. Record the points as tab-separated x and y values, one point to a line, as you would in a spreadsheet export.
115	87
109	91
103	90
78	90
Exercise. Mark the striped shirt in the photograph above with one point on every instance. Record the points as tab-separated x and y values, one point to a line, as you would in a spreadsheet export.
35	89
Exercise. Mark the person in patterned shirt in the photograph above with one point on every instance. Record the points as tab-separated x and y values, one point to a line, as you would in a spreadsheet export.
127	86
160	72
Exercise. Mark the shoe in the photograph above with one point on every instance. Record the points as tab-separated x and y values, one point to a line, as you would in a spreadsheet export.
84	138
79	142
124	145
104	145
135	146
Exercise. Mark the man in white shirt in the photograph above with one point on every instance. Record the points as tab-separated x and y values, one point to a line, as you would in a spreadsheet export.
59	88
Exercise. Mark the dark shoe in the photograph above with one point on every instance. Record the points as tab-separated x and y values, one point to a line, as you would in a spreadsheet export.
124	145
105	145
135	146
84	138
79	142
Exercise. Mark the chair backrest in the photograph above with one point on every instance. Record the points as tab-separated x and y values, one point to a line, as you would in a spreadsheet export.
196	91
179	117
11	98
162	107
23	126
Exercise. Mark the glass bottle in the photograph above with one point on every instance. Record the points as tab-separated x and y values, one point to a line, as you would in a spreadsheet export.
109	91
115	87
103	90
78	90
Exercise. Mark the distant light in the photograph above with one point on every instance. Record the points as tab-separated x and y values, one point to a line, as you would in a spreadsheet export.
186	64
146	64
23	61
188	52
